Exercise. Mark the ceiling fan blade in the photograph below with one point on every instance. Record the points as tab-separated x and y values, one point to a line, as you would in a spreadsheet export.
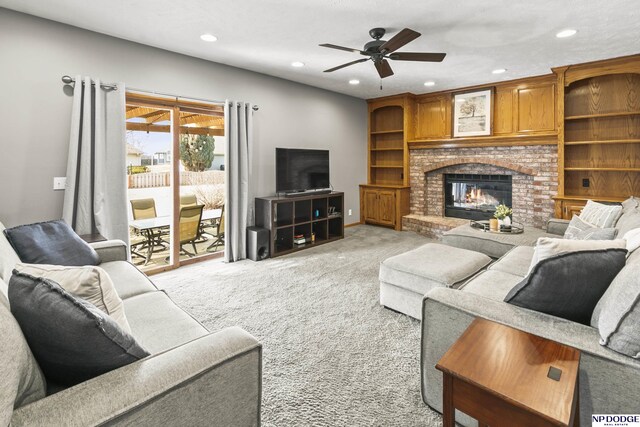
417	56
396	42
357	61
347	49
384	69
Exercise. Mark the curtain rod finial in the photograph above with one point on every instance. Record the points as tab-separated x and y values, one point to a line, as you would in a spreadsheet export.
67	80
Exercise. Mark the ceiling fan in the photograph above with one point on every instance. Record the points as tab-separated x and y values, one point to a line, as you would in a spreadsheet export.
379	51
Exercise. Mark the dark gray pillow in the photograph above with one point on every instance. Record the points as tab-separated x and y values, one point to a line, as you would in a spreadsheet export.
71	339
51	242
569	285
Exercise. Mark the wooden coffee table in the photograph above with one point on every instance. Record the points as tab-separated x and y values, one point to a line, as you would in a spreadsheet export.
505	377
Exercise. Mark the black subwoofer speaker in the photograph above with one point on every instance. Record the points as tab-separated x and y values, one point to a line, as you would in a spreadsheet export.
257	243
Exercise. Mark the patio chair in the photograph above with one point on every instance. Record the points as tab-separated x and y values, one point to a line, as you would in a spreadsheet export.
189	227
219	237
188	200
143	208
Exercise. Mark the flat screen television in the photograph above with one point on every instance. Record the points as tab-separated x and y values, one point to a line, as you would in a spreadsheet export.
299	170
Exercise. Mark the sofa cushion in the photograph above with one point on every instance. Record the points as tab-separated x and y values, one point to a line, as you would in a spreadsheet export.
630	217
71	339
51	242
158	323
127	279
569	285
632	258
431	265
619	318
492	284
548	247
601	215
494	245
90	283
8	256
579	229
22	380
516	261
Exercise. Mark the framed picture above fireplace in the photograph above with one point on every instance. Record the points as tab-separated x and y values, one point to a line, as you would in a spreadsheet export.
472	113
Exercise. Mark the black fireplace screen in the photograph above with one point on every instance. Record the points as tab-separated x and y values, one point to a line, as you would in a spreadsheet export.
473	196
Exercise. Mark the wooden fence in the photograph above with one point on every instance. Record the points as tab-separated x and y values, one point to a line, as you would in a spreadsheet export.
163	179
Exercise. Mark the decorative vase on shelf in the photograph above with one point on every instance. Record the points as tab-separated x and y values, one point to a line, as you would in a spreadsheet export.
506	221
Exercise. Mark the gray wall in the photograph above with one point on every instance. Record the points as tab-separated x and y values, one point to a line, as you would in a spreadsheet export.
35	111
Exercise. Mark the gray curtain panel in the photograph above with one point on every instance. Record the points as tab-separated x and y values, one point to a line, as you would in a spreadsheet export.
95	200
239	201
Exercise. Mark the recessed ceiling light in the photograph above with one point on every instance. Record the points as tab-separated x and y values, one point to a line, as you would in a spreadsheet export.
297	64
566	33
429	83
354	82
499	71
208	37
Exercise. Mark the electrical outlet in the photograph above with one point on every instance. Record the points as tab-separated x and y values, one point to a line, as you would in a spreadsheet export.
350	212
585	182
60	183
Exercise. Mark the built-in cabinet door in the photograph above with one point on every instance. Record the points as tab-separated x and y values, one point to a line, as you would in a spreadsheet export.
386	203
371	208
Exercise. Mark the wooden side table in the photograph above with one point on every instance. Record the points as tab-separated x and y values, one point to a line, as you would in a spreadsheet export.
505	377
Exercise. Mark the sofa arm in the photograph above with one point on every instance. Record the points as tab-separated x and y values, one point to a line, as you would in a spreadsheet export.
213	379
557	226
446	313
111	250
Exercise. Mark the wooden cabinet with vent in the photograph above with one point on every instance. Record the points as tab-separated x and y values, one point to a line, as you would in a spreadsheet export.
599	146
388	170
383	205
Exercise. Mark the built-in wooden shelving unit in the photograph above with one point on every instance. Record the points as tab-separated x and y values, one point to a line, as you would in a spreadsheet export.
385	197
599	146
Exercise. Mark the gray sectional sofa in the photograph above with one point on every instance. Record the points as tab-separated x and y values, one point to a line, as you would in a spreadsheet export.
193	377
609	381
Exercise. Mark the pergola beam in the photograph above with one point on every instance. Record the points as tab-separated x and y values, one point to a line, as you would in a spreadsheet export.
144	127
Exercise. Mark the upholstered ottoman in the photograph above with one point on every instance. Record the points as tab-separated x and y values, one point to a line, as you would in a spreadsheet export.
406	278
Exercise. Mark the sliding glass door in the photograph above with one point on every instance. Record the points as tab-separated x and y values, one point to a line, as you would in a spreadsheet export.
175	171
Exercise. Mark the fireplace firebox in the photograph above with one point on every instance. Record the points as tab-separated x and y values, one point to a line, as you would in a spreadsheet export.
472	196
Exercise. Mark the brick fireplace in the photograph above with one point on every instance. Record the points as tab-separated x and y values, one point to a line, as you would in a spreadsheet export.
533	171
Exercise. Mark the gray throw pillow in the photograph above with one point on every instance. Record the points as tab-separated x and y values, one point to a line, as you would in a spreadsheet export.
619	317
51	242
569	285
578	229
71	339
600	214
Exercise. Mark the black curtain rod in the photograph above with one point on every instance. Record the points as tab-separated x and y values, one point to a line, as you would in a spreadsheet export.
113	86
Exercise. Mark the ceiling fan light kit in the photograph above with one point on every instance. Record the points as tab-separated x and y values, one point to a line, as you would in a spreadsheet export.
379	51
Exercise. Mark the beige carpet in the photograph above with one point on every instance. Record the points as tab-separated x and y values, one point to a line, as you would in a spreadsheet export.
332	355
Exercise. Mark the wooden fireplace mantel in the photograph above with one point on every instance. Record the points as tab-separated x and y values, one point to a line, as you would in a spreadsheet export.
485	141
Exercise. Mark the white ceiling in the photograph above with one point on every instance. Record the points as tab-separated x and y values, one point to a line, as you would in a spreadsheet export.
267	35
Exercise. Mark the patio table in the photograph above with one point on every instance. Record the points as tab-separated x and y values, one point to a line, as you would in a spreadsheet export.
151	228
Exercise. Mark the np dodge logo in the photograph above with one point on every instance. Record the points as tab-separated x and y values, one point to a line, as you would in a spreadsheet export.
615	420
